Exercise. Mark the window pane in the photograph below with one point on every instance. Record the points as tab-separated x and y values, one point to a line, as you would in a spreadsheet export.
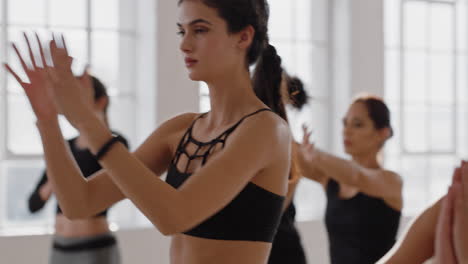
68	13
462	82
442	84
303	22
392	22
21	179
442	128
105	14
281	22
23	137
415	128
304	53
27	12
126	76
122	117
442	27
392	75
317	83
415	194
462	25
105	58
415	27
415	76
128	14
441	169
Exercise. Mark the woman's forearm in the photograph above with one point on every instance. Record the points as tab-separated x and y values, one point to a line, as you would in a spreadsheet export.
62	171
417	244
336	168
134	179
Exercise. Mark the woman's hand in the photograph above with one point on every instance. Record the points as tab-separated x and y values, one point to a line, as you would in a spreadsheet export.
307	151
39	89
74	99
451	242
46	191
460	219
444	244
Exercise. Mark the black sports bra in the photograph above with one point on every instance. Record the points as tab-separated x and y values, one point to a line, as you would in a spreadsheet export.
253	215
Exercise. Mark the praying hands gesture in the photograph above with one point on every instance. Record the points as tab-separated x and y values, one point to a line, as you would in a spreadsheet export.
451	243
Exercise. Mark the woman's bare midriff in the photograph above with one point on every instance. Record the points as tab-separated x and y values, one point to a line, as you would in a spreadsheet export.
80	228
193	250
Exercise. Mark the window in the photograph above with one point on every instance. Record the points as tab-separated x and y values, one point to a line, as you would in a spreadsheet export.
299	31
100	33
426	88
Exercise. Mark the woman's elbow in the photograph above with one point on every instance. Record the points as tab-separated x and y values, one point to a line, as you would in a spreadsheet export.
171	225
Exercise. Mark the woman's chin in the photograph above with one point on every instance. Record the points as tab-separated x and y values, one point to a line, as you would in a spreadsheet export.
195	77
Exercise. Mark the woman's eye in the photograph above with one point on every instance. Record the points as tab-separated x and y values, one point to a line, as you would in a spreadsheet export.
200	30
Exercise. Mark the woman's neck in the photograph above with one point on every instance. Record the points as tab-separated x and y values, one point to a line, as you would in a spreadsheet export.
231	97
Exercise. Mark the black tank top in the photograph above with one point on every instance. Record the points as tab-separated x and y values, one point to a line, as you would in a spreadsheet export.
253	215
361	230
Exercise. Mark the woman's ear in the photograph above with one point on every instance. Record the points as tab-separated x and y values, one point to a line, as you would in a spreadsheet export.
385	133
246	37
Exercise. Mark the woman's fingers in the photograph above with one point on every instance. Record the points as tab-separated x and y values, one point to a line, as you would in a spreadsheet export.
464	184
457	174
444	242
31	53
41	51
64	44
18	79
18	53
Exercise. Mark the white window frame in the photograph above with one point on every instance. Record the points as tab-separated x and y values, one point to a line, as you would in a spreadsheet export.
143	18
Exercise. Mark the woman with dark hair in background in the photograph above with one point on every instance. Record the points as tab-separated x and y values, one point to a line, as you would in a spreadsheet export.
86	240
227	170
364	200
287	246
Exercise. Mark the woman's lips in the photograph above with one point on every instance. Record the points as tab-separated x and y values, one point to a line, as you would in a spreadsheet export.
347	142
189	62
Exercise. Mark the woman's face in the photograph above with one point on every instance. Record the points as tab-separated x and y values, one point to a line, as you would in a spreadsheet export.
209	50
360	137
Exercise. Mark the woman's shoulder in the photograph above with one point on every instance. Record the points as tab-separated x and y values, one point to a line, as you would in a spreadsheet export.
270	123
392	175
179	122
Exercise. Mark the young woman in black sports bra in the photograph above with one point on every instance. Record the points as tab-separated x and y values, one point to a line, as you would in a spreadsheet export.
364	200
227	170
